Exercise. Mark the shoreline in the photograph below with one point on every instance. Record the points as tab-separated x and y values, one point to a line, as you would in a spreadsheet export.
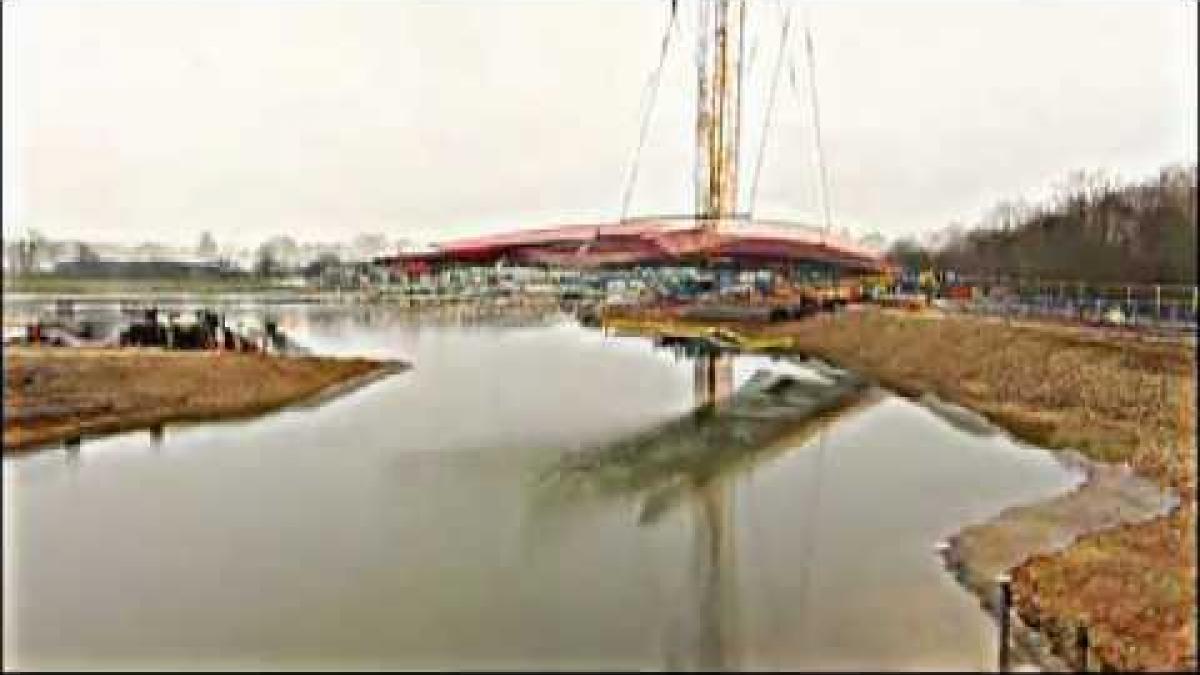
1090	556
1115	553
117	396
1105	497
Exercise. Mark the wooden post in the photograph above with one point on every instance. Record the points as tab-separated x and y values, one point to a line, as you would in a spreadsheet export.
1005	583
1129	307
1083	645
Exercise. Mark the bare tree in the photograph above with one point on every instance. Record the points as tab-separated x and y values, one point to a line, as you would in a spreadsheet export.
207	247
1094	228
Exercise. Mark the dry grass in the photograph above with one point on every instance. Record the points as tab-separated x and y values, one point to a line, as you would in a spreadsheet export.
53	394
1134	587
1113	398
1121	400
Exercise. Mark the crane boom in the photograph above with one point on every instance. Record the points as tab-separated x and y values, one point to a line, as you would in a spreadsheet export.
718	109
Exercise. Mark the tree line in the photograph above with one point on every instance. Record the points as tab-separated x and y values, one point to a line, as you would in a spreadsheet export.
33	253
1093	229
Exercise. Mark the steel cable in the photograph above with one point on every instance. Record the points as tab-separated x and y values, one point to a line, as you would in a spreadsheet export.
649	97
814	101
762	147
816	111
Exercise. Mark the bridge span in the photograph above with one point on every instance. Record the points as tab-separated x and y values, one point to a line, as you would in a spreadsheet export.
654	241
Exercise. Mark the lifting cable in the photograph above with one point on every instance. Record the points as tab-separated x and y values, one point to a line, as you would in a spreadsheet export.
762	146
767	591
810	539
812	515
649	96
816	109
814	100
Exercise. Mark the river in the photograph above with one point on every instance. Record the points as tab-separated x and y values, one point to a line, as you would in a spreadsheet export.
403	525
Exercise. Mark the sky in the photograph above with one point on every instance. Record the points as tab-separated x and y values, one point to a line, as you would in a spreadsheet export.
135	120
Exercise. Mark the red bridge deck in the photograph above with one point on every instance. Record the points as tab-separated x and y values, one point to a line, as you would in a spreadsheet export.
654	241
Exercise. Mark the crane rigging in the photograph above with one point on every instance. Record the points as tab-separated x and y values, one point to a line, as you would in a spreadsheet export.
718	227
721	31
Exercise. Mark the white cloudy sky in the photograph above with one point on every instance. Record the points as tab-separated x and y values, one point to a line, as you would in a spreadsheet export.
153	119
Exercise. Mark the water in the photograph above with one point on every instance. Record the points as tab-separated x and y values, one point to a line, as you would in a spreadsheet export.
404	525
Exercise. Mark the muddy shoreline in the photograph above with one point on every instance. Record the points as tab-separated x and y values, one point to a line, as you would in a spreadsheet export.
1105	497
1116	555
55	395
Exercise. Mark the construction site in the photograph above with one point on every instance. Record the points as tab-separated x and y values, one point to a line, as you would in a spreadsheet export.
712	439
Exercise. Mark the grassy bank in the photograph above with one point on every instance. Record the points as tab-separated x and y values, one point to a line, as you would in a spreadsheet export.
1113	398
53	394
1116	400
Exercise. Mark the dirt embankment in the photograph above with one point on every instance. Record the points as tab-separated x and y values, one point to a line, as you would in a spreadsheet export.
54	394
1113	398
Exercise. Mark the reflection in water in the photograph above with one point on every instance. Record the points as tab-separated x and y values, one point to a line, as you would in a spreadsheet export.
439	316
156	436
966	421
706	629
334	318
713	378
691	460
391	528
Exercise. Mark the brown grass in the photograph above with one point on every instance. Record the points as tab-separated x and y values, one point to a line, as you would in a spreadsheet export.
53	394
1114	398
1117	399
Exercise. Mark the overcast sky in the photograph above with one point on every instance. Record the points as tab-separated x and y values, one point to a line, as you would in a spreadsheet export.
156	119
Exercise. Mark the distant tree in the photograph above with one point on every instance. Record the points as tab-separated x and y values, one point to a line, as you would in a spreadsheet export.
36	245
909	254
284	251
19	255
152	250
85	253
1094	228
207	247
265	262
873	240
369	245
323	263
1005	216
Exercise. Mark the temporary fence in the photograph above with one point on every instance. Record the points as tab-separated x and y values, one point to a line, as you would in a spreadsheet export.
1170	307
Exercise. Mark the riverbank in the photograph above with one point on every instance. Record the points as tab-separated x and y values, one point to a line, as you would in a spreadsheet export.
1115	399
53	394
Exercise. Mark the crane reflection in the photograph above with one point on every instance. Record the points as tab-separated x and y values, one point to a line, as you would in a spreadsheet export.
688	462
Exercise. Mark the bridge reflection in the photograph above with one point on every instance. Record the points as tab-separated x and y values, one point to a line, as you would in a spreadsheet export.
689	462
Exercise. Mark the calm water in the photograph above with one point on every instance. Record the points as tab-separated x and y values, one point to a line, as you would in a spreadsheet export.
404	525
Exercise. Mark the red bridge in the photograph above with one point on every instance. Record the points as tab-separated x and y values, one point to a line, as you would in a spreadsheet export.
654	241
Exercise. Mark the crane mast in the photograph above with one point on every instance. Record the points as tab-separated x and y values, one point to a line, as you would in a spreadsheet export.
719	106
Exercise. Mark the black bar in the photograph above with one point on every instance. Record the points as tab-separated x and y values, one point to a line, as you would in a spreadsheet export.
1005	605
1082	643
